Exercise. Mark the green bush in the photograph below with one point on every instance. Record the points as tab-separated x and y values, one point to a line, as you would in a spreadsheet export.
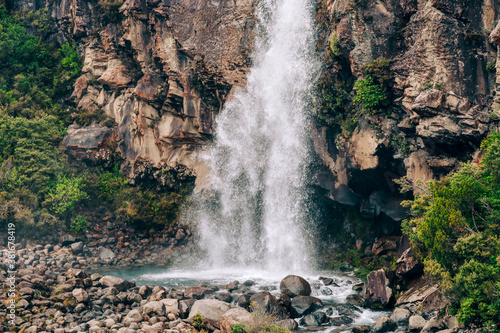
455	231
370	95
79	224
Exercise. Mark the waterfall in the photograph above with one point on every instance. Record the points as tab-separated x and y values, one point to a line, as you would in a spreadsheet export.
257	215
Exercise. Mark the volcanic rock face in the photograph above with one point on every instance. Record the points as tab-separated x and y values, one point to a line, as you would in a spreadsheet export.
444	87
159	69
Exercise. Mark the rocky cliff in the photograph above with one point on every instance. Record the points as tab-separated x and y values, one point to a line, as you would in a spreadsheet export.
443	83
159	69
162	69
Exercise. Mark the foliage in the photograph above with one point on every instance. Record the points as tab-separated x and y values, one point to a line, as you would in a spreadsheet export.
263	322
454	229
198	322
370	95
492	66
429	85
238	328
335	46
400	144
79	224
372	92
66	193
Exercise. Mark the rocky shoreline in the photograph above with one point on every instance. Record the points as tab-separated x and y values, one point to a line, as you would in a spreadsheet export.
56	293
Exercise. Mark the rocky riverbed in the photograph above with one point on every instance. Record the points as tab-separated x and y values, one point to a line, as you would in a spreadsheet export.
54	295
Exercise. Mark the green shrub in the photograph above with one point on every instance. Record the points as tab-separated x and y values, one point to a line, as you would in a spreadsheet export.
335	46
238	328
491	66
79	224
455	231
370	95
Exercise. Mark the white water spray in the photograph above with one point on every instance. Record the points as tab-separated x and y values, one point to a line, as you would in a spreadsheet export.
260	157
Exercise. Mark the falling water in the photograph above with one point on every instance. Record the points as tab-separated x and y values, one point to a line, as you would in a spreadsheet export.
257	214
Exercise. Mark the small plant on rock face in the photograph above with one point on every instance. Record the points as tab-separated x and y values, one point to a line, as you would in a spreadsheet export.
79	224
238	328
491	66
198	322
370	96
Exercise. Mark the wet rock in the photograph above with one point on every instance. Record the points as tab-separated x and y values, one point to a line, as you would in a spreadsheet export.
210	309
267	303
377	292
314	319
225	297
294	285
400	316
416	323
355	299
340	321
326	281
244	301
384	324
361	329
234	316
303	305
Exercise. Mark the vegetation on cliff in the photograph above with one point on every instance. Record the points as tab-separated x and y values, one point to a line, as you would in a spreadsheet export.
39	189
455	228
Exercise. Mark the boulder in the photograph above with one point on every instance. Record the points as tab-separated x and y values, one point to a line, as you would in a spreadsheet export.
377	292
341	321
416	323
90	137
384	324
294	285
244	301
314	319
154	308
400	316
171	306
288	324
495	34
106	254
434	325
67	239
211	309
77	247
134	316
80	295
268	303
303	305
116	282
385	244
234	316
197	292
423	295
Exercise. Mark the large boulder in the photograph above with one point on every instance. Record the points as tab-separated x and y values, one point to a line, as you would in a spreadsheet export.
154	308
80	295
377	292
294	285
422	295
116	282
303	305
400	316
416	323
171	305
267	303
384	324
210	309
234	316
